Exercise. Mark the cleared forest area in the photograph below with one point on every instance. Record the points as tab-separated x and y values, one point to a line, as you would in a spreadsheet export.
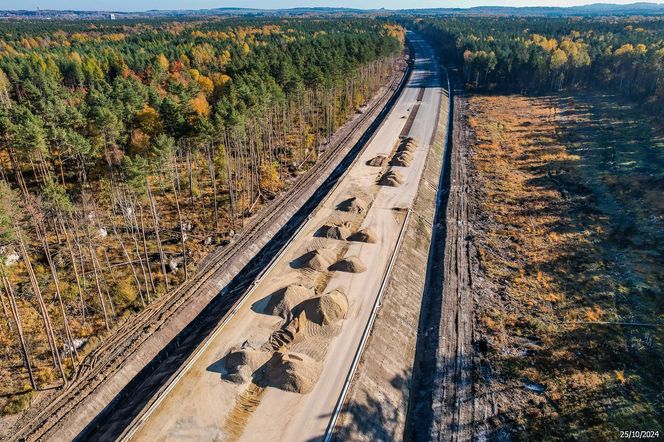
567	227
560	128
130	150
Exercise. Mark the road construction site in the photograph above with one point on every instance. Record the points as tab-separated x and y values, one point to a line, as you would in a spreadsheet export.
277	366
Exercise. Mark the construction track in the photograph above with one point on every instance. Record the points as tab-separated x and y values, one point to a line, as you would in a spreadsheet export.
441	405
63	415
377	404
454	378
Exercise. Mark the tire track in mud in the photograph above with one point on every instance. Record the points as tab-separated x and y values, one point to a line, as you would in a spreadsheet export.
245	404
441	405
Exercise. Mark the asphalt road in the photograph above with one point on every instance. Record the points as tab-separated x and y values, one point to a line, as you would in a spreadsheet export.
201	405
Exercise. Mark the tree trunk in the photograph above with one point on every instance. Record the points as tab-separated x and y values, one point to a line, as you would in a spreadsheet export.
131	219
145	251
19	329
74	268
63	311
42	306
6	313
182	237
213	179
128	258
95	270
156	231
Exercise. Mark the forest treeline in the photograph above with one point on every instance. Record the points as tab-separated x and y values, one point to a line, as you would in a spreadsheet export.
537	54
128	150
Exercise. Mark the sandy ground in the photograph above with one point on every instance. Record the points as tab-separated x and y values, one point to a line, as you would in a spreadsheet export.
203	406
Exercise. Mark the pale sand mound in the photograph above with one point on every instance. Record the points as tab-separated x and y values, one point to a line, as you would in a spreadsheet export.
283	302
350	264
364	235
294	372
354	204
404	154
241	362
318	260
377	161
408	145
392	178
341	232
403	159
326	309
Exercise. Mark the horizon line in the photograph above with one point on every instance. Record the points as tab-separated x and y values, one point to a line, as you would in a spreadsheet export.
240	8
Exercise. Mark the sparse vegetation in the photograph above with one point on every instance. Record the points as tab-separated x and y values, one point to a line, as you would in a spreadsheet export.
17	403
568	229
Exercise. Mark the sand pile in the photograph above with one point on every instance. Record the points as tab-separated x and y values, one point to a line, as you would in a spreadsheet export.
408	145
391	178
241	362
283	302
319	259
354	204
326	309
350	264
403	159
377	161
294	372
364	235
341	232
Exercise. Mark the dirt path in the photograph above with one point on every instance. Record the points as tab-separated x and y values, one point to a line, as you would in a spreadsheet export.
453	384
456	352
441	406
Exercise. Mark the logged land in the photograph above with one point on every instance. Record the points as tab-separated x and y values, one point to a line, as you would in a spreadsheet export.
567	227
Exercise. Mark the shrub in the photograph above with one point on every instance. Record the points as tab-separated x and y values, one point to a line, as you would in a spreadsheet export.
18	403
125	291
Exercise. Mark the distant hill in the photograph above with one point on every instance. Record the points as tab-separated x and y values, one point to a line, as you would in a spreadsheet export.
641	8
49	14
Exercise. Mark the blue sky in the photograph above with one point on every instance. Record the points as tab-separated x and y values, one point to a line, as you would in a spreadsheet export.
141	5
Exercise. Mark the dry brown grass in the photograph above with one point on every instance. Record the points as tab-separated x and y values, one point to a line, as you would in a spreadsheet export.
552	256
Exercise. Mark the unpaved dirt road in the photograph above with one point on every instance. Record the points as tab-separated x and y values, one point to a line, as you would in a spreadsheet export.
203	406
453	380
442	405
